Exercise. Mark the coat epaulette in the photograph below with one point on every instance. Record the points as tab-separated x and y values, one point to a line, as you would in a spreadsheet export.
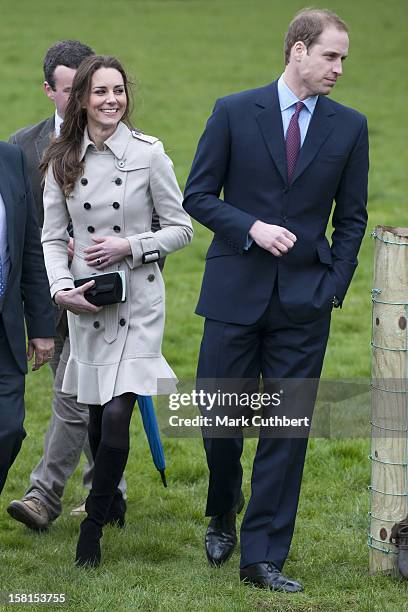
144	137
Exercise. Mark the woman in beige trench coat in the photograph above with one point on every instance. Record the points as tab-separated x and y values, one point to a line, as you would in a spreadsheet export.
107	178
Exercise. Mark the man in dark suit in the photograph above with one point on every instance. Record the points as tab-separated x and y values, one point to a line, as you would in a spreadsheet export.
282	154
24	295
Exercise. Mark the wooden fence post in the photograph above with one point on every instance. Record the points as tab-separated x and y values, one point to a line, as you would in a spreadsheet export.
389	423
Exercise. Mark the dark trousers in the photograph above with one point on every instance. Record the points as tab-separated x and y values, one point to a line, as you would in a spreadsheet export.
11	407
274	347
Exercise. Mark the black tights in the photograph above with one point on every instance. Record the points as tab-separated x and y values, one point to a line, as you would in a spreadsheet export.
110	423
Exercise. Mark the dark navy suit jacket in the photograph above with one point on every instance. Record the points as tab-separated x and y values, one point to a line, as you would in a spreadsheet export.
242	151
27	295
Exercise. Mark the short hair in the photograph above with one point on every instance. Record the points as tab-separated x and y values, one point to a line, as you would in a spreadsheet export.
307	25
69	53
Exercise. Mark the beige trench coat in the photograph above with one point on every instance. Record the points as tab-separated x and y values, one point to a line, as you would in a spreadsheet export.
117	350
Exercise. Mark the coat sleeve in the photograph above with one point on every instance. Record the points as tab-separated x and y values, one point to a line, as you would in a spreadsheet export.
206	180
350	213
38	309
176	228
55	236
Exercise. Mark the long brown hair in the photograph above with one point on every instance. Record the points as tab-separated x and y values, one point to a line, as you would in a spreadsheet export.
64	152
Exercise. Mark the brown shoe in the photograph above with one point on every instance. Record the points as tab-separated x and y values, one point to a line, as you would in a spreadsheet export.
31	512
399	537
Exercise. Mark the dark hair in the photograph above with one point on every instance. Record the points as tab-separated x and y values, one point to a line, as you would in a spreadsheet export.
307	25
64	152
69	53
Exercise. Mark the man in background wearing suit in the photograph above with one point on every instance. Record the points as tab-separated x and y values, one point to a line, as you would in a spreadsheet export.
24	295
67	432
282	154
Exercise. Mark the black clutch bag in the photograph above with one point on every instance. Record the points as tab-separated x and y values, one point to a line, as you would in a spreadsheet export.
109	288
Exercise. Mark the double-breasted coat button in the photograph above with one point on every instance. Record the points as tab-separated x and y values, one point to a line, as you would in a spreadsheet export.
116	205
84	181
116	228
122	322
118	181
91	229
151	278
96	324
87	206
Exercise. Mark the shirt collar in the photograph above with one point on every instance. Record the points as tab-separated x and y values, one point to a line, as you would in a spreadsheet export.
57	122
117	143
287	98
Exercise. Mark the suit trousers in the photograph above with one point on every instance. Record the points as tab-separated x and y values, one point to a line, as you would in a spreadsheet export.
12	412
66	438
274	347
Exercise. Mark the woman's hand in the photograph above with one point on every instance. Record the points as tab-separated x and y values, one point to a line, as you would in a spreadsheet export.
74	299
107	251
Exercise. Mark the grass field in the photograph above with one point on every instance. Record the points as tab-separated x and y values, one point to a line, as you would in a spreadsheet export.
183	55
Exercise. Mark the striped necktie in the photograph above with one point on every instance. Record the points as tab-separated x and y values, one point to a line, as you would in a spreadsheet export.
293	141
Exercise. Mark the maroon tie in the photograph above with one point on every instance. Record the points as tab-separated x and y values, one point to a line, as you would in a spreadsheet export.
293	141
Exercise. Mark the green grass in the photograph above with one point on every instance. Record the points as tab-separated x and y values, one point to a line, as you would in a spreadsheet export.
183	55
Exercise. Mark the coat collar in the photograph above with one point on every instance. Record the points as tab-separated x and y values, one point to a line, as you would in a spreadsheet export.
269	119
117	143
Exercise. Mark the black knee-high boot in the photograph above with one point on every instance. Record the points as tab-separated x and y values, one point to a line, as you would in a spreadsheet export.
117	510
109	467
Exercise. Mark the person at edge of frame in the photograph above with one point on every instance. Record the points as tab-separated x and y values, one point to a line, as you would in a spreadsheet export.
282	154
24	297
67	434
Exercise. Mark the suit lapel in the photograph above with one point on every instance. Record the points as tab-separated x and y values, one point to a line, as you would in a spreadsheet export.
319	129
44	137
10	209
269	119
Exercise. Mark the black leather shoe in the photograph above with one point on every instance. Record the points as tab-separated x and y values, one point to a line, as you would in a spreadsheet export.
267	576
221	535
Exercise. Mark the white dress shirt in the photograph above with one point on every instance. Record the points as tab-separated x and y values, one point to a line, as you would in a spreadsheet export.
287	102
58	123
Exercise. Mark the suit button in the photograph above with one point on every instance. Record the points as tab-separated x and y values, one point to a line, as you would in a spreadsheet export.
118	181
285	189
284	219
91	229
151	278
116	228
122	322
96	324
116	205
87	206
121	164
84	181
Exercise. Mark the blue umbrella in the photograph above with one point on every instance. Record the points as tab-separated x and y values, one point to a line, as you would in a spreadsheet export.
153	435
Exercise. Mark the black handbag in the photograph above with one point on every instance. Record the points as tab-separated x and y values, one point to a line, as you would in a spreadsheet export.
109	288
